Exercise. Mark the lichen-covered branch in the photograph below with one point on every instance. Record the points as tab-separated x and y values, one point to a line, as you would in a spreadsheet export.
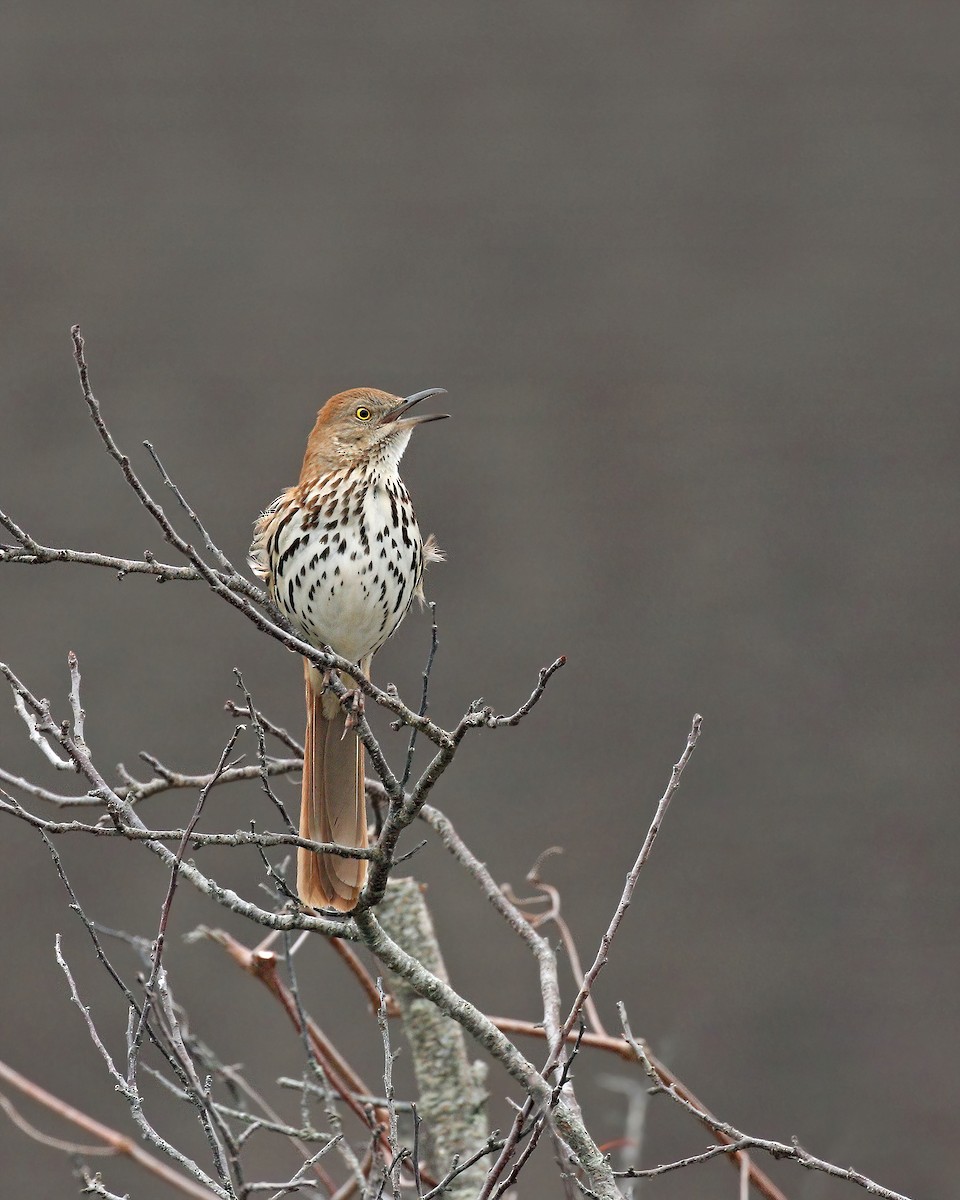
589	1156
452	1102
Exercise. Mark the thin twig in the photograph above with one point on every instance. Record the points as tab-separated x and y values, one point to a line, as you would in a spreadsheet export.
131	1095
493	1143
33	731
428	985
113	1141
262	758
314	1045
197	840
293	1184
157	956
408	765
690	1161
78	714
740	1140
121	810
615	1045
393	1137
263	965
225	564
34	554
276	731
631	881
93	1185
44	1139
405	807
554	914
136	790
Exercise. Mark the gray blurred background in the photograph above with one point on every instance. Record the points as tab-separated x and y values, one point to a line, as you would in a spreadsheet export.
689	273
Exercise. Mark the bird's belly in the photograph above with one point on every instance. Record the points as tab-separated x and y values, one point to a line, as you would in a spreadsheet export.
348	586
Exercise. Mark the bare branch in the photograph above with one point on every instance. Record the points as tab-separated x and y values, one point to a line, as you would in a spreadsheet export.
690	1161
32	553
739	1140
224	563
196	840
225	582
46	1140
493	1144
293	1184
557	1042
635	1119
9	553
156	988
405	807
408	765
428	985
631	882
553	914
274	730
546	673
113	1142
93	1185
122	811
157	956
393	1137
538	945
78	714
132	1096
32	724
262	758
616	1045
262	965
136	790
56	798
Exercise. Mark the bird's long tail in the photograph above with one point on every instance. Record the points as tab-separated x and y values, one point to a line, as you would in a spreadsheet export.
332	807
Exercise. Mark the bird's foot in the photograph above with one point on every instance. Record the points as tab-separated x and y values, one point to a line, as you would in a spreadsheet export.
353	704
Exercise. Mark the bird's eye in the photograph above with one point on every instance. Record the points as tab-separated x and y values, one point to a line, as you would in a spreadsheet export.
363	414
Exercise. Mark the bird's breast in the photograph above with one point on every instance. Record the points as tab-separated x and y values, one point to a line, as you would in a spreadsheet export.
346	560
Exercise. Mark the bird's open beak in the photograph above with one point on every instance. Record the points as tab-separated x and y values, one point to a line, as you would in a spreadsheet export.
398	416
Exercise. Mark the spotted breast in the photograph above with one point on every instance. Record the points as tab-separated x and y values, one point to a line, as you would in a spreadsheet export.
346	559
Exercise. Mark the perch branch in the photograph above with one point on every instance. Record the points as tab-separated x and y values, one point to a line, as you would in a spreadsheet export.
122	811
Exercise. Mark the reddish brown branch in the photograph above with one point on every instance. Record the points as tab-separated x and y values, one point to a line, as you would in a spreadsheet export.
362	976
264	965
115	1142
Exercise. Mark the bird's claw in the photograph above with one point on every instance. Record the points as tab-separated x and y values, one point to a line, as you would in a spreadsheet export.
353	704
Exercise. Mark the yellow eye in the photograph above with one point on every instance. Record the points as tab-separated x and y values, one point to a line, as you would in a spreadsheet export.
363	414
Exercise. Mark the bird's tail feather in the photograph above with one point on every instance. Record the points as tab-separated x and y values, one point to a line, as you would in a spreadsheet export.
332	807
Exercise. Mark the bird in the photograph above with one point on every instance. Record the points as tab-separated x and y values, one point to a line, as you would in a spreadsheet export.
343	558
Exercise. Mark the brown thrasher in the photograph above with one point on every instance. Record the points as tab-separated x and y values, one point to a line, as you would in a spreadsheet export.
343	558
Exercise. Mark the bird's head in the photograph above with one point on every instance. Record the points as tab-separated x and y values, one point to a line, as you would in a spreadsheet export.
364	423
